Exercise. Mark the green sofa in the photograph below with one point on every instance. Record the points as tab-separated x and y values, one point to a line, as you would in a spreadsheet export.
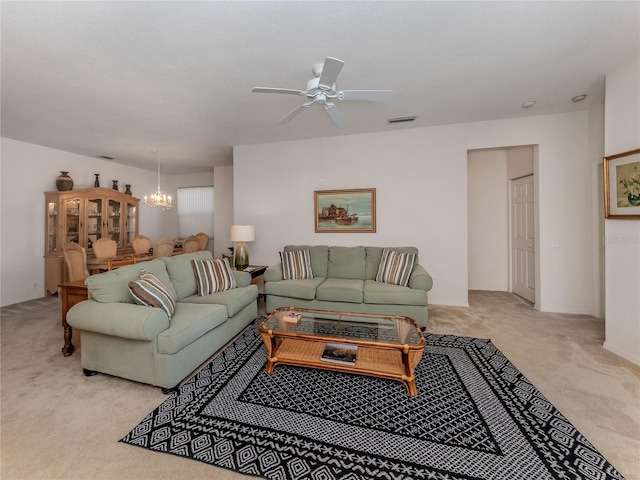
141	343
344	280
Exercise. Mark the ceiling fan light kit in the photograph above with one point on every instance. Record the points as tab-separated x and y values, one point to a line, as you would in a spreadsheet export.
322	90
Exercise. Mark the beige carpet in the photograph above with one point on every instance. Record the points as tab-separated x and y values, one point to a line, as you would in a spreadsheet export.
59	424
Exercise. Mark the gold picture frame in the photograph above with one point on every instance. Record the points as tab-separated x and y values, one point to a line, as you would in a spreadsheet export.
345	211
621	178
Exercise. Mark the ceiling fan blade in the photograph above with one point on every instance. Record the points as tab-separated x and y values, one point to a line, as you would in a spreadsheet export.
293	113
366	95
336	115
330	71
276	90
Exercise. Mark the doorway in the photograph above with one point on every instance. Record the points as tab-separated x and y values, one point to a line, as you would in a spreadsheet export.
493	262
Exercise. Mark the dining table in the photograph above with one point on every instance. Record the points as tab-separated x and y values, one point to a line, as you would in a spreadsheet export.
97	265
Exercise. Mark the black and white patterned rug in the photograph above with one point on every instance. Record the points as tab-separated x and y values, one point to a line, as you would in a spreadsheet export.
476	417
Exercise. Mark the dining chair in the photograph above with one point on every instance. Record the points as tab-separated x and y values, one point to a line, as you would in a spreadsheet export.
75	257
113	263
203	239
163	248
190	244
105	247
141	244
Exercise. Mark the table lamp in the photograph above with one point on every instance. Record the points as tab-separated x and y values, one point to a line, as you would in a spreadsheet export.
240	234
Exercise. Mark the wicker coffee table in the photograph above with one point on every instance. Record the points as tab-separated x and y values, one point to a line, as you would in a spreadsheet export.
388	346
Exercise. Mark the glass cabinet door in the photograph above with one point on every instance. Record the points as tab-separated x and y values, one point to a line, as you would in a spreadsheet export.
71	207
113	221
52	224
130	224
94	227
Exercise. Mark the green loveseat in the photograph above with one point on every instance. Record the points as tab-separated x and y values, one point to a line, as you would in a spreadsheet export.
141	343
344	279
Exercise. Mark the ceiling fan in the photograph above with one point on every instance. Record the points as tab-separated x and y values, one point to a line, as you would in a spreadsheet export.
322	90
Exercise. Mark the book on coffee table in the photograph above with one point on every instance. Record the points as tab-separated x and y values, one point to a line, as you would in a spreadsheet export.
344	353
291	317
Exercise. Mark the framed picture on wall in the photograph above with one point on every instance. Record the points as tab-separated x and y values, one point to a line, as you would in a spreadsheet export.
345	211
622	185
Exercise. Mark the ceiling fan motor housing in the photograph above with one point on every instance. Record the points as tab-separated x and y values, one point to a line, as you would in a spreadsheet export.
313	87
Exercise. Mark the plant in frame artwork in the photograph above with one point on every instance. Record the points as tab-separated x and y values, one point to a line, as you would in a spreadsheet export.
622	185
345	211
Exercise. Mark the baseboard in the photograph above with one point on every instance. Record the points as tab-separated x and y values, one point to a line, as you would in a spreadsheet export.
622	354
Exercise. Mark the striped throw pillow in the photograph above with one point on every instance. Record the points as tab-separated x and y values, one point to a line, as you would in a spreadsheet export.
395	267
213	276
151	292
296	265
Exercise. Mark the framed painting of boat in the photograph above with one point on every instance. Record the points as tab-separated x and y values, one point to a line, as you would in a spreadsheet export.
345	211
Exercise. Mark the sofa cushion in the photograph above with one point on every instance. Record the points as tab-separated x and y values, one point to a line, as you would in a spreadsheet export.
346	262
384	293
151	292
395	267
302	289
374	255
341	290
296	265
189	323
181	272
319	257
113	286
234	299
213	276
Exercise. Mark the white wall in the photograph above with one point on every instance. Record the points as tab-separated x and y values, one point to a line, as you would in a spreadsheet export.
488	220
223	219
622	237
421	176
565	214
27	171
519	162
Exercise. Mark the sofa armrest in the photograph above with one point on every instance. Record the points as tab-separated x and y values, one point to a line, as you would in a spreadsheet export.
274	273
243	279
125	320
420	279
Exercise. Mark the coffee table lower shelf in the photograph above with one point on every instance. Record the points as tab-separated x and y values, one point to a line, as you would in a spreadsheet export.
393	364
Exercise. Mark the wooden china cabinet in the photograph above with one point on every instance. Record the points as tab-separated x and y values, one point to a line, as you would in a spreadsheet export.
83	216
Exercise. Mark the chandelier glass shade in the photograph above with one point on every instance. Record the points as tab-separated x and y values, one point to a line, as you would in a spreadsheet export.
158	199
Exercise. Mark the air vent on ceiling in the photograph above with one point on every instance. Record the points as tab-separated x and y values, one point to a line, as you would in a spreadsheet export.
105	157
402	119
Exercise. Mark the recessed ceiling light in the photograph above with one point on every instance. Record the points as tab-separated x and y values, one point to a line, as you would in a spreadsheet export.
578	98
528	104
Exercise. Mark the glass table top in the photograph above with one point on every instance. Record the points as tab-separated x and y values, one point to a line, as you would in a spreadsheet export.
388	329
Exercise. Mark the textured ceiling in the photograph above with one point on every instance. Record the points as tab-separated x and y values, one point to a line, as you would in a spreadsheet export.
124	78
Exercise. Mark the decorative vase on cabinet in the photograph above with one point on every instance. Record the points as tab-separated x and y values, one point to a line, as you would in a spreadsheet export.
64	182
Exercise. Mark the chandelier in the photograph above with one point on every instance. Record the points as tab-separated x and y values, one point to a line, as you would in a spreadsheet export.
158	200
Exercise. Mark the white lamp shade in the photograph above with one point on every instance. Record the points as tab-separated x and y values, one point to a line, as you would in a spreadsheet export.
243	233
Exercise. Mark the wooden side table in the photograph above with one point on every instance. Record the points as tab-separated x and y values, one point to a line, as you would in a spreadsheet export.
256	271
70	294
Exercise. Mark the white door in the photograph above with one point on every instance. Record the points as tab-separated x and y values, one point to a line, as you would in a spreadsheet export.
523	278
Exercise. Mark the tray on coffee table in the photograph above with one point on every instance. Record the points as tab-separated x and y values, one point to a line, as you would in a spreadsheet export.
387	346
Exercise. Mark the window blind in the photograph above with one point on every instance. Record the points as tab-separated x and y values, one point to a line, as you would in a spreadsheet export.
195	211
